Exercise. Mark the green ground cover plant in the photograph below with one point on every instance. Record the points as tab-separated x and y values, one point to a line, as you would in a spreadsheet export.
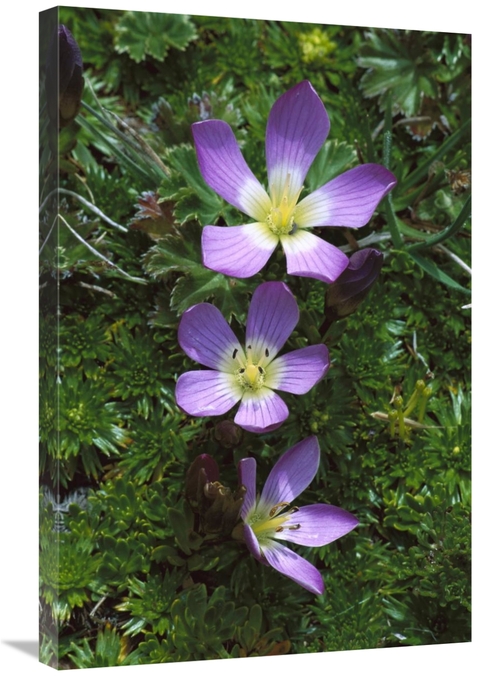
139	556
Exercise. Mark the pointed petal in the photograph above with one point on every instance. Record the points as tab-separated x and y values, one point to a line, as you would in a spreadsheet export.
293	473
296	129
247	472
261	411
348	200
225	170
253	544
272	316
310	256
238	251
206	337
295	567
202	393
298	371
319	525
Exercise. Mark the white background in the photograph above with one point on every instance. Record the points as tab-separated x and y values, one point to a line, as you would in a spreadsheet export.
18	332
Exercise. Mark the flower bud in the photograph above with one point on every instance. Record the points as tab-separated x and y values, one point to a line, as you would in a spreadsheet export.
228	434
221	515
349	290
203	470
64	81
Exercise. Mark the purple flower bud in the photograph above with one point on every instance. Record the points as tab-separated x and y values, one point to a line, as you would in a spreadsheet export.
349	290
65	67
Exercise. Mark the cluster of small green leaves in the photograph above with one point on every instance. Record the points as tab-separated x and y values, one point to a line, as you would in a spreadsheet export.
130	577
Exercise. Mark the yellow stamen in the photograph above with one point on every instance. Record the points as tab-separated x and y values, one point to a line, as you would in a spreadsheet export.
280	218
279	508
270	525
249	375
265	526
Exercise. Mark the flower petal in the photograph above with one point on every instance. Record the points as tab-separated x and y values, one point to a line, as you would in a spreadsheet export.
309	256
203	393
238	251
261	411
295	567
348	200
206	337
247	471
293	472
225	170
272	316
319	525
252	543
296	129
298	371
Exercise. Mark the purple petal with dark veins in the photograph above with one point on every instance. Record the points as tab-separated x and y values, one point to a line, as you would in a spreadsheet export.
261	411
295	567
348	200
310	256
296	129
238	251
293	472
203	393
298	371
247	472
319	525
225	170
272	316
206	337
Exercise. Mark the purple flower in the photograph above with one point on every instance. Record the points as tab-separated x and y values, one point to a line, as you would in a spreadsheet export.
296	129
247	374
269	518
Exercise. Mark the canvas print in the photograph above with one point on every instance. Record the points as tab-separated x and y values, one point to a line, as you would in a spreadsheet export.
254	338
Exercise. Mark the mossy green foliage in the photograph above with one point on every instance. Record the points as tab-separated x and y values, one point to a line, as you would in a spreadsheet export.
129	576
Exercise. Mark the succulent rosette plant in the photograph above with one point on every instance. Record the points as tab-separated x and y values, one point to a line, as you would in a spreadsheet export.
248	374
297	127
269	518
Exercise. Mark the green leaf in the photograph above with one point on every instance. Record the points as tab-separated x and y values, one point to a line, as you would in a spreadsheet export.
432	269
182	525
143	34
194	198
460	136
182	253
400	69
175	253
230	295
333	159
448	232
